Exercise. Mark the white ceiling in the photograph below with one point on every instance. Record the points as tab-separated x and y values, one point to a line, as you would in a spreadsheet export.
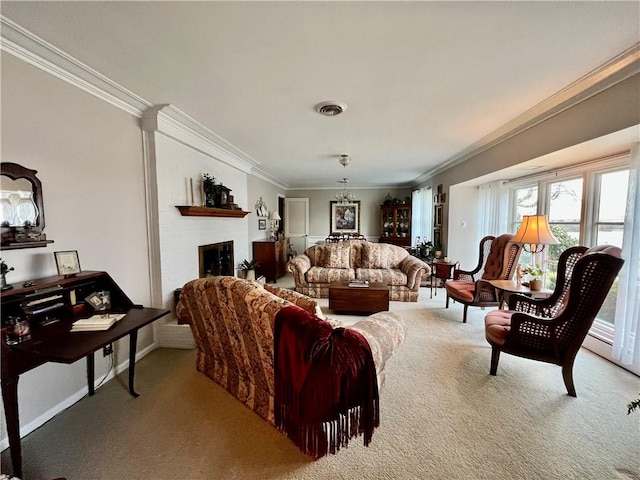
422	80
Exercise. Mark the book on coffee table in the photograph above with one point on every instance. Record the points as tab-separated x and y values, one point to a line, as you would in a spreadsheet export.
358	283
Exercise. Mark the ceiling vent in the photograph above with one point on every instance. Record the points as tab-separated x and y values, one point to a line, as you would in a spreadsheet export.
331	108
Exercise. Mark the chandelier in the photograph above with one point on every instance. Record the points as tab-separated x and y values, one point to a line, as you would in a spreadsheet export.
344	196
344	160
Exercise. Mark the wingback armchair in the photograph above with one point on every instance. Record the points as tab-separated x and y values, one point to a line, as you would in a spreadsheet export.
552	330
497	260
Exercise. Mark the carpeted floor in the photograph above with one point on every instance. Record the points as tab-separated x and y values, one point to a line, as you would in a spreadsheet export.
442	417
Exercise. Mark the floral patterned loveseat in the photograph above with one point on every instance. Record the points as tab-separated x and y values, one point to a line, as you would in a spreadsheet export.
322	264
232	321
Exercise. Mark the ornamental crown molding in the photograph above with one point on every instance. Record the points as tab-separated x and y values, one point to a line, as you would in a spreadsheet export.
616	70
165	118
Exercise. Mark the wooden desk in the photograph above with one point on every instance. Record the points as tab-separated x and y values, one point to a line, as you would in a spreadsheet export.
507	287
55	342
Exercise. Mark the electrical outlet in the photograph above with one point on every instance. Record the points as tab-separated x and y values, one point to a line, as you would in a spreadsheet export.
107	350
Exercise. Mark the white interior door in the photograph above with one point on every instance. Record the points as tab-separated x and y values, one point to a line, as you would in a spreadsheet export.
296	225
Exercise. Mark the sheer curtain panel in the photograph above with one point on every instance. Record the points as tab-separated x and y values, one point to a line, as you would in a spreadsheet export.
626	342
493	209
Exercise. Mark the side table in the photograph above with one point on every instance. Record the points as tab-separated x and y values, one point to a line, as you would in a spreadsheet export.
441	271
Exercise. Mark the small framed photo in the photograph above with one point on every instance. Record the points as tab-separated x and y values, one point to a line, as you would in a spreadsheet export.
99	300
262	224
67	262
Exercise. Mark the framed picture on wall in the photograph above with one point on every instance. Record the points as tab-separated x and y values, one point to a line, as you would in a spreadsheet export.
262	224
345	217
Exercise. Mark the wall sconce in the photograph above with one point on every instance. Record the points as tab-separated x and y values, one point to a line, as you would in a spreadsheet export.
534	233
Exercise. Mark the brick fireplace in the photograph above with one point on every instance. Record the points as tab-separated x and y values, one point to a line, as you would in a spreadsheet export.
216	259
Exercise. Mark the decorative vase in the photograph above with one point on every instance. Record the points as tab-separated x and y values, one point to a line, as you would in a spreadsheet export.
438	253
535	285
250	275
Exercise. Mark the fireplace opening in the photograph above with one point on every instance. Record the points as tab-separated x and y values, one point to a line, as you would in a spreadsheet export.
216	259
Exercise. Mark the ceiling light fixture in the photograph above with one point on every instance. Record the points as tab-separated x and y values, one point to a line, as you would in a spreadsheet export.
331	108
344	196
344	160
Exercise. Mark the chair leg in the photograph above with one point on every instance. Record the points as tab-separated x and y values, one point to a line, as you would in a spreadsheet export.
447	304
464	314
495	356
567	375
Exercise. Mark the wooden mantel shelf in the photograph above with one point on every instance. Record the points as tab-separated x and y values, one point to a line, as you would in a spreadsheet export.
193	211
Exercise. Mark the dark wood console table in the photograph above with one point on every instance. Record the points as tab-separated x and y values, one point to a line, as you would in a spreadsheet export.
51	305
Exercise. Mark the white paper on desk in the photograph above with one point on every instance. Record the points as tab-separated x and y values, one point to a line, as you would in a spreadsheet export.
97	322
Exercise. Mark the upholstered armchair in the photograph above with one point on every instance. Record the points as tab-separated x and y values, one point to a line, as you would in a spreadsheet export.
552	330
497	260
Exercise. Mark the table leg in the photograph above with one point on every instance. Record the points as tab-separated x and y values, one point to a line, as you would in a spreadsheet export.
91	366
10	401
133	344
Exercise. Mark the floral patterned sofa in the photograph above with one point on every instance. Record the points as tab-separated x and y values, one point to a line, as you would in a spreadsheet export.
232	321
322	264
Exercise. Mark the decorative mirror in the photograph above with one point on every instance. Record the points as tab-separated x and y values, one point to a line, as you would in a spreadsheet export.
22	213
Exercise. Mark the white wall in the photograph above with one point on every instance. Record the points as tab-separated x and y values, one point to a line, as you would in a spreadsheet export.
180	236
462	224
256	188
88	155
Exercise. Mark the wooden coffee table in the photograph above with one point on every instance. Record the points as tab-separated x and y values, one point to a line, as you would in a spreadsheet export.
346	299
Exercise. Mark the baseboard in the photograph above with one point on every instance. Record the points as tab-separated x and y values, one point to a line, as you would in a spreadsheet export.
77	396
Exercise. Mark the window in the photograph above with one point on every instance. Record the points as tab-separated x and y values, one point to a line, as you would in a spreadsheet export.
526	203
586	206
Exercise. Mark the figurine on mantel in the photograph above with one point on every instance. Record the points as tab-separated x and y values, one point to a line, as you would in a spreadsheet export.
4	269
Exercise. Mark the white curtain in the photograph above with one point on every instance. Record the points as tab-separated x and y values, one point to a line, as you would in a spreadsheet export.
626	341
421	214
493	209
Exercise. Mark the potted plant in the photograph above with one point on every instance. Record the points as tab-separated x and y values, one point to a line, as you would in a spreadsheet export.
210	190
535	273
249	268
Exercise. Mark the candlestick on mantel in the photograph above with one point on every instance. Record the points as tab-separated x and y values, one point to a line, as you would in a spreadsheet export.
202	199
191	186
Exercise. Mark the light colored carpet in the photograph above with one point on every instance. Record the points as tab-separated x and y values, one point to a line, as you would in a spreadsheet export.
442	417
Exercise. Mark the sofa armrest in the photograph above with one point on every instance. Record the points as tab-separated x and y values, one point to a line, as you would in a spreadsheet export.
299	266
385	332
414	269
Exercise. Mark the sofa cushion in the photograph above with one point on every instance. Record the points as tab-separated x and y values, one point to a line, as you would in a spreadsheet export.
382	255
389	276
334	255
307	303
328	275
497	325
355	255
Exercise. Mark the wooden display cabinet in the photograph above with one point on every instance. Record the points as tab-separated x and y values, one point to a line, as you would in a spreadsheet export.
395	224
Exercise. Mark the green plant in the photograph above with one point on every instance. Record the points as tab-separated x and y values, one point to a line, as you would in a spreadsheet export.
534	271
248	265
633	405
4	268
210	189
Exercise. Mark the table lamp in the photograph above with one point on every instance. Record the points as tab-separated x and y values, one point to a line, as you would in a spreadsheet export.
534	233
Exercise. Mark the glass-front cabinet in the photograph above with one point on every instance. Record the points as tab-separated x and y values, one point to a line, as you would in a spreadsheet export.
395	224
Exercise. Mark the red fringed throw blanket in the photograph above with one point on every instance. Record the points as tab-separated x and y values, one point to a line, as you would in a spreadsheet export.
326	389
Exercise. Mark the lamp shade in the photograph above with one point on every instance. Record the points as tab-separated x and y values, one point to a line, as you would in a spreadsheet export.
535	232
275	215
